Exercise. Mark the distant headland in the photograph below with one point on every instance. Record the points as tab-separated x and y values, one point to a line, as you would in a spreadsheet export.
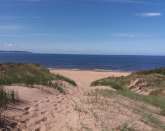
22	52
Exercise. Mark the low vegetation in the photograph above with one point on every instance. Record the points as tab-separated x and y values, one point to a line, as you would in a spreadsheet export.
28	75
134	85
152	80
31	74
149	116
5	99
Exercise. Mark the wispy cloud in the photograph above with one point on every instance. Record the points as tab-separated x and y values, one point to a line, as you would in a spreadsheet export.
149	14
130	35
16	17
123	1
10	27
124	35
8	45
7	29
126	1
29	0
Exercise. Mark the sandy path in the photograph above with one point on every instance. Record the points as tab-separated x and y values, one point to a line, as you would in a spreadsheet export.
49	110
84	78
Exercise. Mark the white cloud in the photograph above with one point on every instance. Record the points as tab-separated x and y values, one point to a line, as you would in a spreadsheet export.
10	27
149	14
131	35
125	35
7	45
10	44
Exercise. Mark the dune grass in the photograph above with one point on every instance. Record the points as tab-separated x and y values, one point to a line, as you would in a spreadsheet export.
155	79
154	82
147	116
157	101
5	99
153	121
30	74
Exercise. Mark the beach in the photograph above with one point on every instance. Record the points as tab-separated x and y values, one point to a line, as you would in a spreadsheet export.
50	110
82	65
81	108
85	77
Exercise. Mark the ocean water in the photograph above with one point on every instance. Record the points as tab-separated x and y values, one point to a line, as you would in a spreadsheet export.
103	62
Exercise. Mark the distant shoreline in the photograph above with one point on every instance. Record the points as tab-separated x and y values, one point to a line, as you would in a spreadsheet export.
93	70
27	52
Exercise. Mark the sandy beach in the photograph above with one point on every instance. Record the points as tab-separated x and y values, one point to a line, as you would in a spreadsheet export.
85	77
47	109
82	65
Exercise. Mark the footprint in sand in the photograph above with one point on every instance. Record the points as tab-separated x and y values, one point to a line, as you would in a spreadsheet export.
25	121
43	112
38	129
55	108
47	100
53	115
26	108
59	101
25	113
55	105
40	120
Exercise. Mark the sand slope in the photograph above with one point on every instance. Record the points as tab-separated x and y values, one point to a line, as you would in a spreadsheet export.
48	110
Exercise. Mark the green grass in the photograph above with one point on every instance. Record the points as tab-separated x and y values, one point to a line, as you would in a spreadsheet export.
147	117
154	71
5	99
108	82
60	77
153	121
158	92
155	79
157	101
125	127
30	74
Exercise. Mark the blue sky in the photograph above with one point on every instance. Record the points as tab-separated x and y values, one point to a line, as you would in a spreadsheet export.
83	26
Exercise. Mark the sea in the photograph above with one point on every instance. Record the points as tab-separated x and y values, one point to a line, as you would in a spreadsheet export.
87	62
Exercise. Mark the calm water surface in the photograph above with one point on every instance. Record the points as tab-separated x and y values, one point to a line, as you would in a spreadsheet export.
107	62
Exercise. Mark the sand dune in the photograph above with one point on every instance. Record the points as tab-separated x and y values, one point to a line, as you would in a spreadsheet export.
49	110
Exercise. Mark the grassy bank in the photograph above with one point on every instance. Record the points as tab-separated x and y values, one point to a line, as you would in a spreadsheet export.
30	74
152	80
149	116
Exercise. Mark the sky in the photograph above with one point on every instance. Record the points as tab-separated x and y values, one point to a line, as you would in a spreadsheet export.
115	27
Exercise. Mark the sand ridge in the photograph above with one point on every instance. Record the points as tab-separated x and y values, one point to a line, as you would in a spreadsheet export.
52	111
